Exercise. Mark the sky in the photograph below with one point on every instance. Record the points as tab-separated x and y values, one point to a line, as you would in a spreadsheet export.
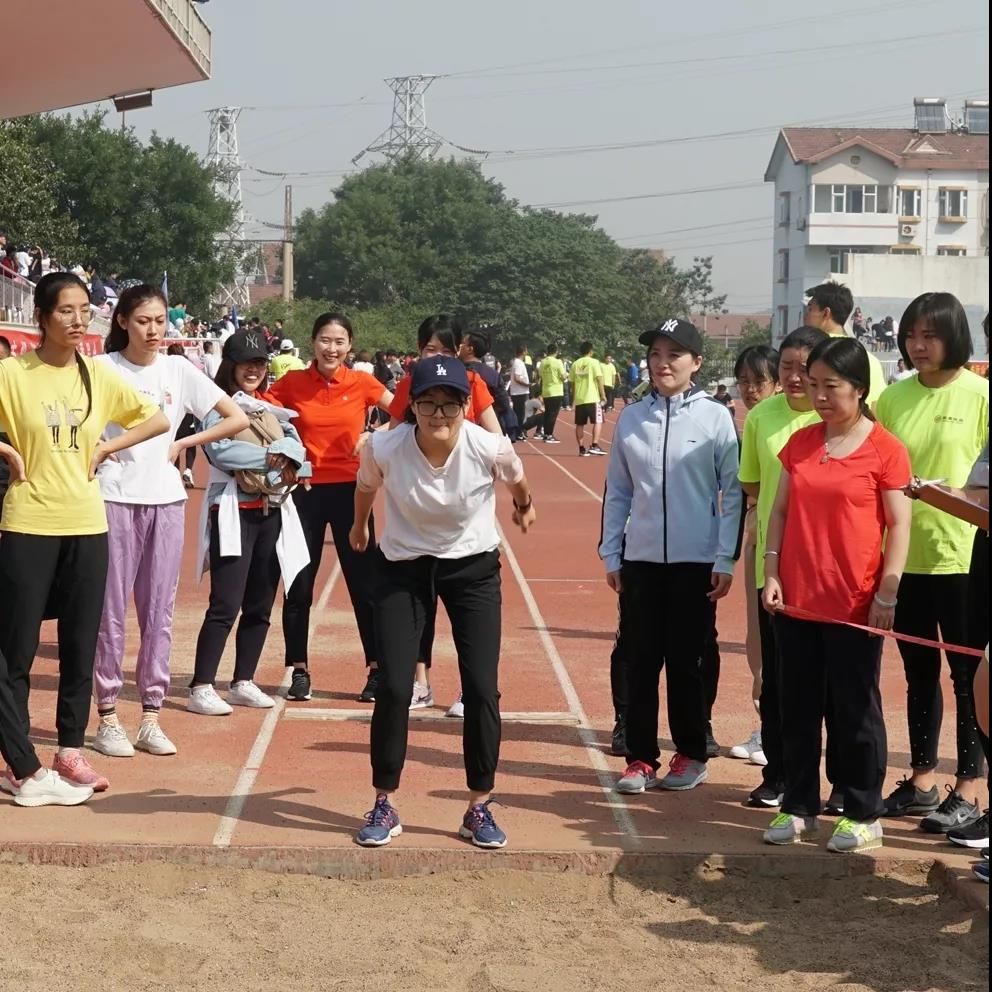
584	106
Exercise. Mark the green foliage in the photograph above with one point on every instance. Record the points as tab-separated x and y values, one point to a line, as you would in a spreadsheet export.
753	333
140	210
405	240
29	195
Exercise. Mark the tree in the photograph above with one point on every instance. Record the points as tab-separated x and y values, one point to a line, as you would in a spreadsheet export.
141	209
754	333
29	195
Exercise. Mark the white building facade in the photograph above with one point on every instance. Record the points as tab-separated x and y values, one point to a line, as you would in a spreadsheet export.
891	212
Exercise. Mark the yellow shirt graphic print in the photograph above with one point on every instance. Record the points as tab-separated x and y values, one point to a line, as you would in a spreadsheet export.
44	412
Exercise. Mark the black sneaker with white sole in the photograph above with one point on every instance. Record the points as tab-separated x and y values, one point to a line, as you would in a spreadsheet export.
367	695
299	687
954	811
764	797
834	806
712	748
618	740
595	449
974	835
907	800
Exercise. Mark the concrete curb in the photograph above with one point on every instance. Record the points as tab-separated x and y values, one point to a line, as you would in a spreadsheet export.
359	864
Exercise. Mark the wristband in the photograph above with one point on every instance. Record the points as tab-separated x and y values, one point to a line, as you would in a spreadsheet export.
884	604
771	554
525	507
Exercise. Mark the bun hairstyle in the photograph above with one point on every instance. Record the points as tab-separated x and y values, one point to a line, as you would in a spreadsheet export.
847	359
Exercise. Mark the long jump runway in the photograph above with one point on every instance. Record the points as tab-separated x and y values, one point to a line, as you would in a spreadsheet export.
288	787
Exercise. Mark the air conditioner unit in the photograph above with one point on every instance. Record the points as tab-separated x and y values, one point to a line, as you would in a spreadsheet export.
907	229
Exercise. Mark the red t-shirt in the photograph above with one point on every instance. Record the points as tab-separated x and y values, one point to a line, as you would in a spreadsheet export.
479	400
332	415
831	554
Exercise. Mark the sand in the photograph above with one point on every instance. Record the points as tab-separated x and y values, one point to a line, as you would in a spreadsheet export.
162	927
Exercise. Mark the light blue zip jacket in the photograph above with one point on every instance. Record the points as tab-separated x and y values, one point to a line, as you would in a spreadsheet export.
671	459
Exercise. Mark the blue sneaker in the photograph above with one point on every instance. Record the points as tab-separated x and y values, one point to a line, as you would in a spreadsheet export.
382	824
480	827
981	869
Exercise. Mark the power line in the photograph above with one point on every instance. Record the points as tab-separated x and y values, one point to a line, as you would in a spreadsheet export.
649	196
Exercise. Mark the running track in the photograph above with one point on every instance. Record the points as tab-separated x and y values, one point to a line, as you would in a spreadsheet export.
298	776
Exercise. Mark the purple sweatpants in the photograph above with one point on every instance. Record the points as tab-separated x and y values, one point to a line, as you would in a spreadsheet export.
146	550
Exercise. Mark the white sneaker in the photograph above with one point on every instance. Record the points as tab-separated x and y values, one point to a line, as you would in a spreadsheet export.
111	739
750	750
151	738
457	709
423	696
249	694
205	701
51	790
188	478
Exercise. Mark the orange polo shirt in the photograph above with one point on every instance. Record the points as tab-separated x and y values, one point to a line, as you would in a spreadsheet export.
332	415
479	400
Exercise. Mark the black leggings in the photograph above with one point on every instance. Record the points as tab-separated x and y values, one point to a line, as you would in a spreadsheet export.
930	605
188	427
406	593
245	583
329	503
64	577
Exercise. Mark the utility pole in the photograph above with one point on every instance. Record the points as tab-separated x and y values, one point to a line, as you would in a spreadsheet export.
223	155
408	136
287	247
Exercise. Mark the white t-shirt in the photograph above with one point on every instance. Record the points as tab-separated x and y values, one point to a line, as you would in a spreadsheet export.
211	363
364	367
143	474
447	512
518	371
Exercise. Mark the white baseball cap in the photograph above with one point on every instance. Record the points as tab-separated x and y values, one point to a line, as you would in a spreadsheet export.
286	345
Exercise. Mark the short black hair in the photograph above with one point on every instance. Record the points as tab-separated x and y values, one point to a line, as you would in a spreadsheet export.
478	341
585	347
758	359
834	296
944	313
804	338
552	349
5	343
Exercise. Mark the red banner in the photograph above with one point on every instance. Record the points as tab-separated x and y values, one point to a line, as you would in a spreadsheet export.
23	339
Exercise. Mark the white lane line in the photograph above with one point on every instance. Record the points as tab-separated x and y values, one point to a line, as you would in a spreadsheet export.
249	770
557	464
424	716
606	776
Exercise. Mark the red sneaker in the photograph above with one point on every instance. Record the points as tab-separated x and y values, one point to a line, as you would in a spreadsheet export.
72	766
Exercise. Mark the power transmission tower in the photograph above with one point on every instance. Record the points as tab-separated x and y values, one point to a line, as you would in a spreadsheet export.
408	135
223	154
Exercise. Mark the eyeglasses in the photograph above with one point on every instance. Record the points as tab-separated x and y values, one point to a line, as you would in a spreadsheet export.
428	408
70	317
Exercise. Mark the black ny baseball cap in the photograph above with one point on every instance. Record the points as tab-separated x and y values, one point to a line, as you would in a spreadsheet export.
245	346
679	331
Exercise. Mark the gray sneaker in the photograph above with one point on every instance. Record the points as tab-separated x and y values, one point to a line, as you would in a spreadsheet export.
855	835
954	812
684	774
638	777
789	829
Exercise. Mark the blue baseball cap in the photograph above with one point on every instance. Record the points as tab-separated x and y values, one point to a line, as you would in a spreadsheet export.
439	371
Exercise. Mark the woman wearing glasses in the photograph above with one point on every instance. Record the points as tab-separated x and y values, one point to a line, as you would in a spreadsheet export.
440	541
53	556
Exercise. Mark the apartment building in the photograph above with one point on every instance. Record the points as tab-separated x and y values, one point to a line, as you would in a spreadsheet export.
891	212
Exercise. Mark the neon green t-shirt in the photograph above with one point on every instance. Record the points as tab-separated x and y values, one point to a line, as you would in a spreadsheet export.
552	373
944	431
586	373
609	374
766	429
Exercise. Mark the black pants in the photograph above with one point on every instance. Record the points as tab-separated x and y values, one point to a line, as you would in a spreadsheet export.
330	503
610	393
710	663
68	575
669	618
245	583
928	604
817	660
189	426
978	612
519	404
552	407
406	591
537	421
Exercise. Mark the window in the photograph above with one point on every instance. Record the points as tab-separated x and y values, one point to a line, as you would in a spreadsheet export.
784	209
858	198
904	249
783	321
840	258
909	203
953	203
954	251
783	265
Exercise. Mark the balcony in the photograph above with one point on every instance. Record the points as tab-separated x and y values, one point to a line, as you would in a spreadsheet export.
852	229
118	47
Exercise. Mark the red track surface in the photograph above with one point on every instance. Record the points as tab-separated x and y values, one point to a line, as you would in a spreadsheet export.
299	777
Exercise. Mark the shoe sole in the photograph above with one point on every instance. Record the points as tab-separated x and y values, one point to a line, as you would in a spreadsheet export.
112	754
425	704
363	698
759	764
297	698
99	787
872	845
684	788
491	846
736	754
395	832
159	752
199	712
32	802
251	706
910	811
454	716
753	803
653	784
938	829
805	835
976	845
618	752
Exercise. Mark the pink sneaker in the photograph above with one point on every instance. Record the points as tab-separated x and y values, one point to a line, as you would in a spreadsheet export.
73	767
8	783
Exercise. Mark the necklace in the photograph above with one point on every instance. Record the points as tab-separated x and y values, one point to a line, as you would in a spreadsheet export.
840	441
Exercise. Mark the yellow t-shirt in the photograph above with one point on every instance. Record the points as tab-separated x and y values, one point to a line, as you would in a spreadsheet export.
552	374
283	363
944	431
609	374
876	383
586	373
766	429
43	410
